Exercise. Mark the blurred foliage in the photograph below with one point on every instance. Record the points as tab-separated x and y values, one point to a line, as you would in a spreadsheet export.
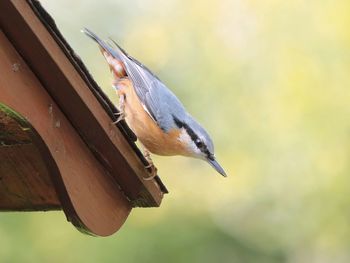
269	80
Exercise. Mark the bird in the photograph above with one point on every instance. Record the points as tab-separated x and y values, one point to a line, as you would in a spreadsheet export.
152	111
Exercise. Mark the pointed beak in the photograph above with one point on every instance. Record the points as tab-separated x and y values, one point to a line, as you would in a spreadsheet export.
217	166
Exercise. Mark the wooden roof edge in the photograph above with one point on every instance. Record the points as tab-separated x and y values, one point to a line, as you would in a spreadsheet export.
143	197
57	155
103	99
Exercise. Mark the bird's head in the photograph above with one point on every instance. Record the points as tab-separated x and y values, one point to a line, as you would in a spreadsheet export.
197	142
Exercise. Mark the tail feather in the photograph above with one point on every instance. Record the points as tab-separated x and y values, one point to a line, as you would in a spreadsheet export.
114	56
104	45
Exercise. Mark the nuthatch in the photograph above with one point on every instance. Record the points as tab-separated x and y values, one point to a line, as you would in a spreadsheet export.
152	111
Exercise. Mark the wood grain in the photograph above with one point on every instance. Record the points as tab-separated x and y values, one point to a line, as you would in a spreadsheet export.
25	184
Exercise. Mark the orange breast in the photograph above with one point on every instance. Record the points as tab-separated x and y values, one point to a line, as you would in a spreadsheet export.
146	129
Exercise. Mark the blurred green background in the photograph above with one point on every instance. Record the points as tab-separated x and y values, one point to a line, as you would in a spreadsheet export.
270	82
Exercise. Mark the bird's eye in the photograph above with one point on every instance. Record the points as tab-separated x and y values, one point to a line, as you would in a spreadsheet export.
199	143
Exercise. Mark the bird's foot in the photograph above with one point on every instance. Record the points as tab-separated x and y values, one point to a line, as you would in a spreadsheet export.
121	113
121	116
152	171
150	167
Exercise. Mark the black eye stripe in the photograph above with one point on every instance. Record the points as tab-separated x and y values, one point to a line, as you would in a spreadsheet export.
190	132
193	136
199	143
210	156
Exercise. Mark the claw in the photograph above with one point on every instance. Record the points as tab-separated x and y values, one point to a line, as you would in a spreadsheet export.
120	118
153	172
121	112
150	167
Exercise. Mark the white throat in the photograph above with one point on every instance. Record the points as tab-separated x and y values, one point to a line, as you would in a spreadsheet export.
186	140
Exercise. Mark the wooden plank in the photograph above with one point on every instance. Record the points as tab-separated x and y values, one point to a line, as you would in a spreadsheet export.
70	91
25	184
88	194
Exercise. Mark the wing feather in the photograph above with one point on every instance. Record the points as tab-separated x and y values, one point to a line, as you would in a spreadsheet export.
159	101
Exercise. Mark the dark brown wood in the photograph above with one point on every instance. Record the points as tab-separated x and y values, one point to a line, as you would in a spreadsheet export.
25	184
88	194
67	87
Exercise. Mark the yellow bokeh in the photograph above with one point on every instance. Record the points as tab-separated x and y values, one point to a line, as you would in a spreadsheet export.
270	82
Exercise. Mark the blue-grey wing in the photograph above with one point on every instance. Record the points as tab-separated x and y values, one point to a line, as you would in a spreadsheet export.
157	99
164	105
